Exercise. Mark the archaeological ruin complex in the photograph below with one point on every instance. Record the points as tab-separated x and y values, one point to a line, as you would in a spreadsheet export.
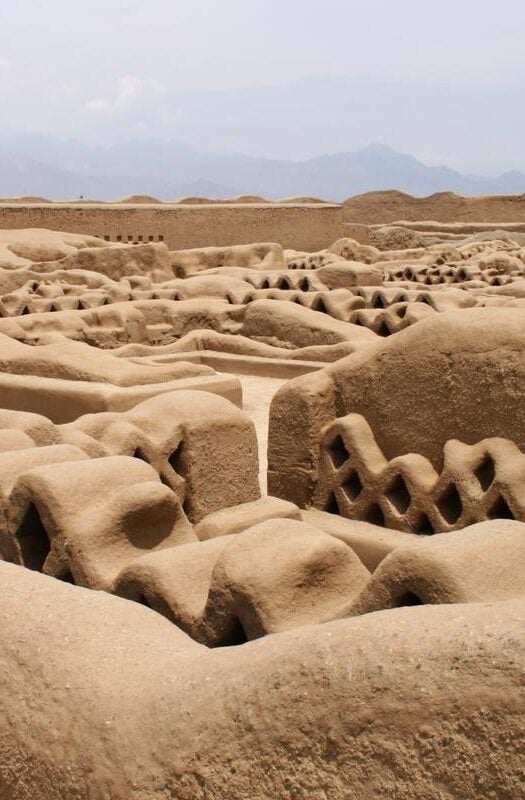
262	478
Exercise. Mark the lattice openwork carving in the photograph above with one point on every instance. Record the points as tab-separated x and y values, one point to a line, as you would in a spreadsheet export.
478	482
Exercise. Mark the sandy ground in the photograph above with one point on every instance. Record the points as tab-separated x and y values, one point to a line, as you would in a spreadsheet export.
257	396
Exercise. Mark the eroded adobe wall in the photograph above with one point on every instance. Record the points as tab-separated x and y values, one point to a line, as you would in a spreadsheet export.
446	207
299	227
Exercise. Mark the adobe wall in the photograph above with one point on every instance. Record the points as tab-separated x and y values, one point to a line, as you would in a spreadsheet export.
386	207
299	227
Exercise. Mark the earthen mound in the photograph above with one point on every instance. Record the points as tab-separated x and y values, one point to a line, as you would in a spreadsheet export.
246	198
29	199
394	237
138	199
301	199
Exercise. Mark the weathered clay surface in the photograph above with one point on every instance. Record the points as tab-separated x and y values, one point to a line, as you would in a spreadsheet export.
180	622
103	698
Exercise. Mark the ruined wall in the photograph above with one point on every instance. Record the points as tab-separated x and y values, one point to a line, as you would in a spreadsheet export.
391	206
300	227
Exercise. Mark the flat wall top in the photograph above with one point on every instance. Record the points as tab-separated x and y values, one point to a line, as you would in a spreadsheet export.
299	226
109	206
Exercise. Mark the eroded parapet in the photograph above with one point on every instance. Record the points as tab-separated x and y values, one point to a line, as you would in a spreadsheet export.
266	255
234	519
274	576
13	464
138	478
66	359
176	583
483	563
372	543
477	482
429	384
159	322
38	428
64	379
66	400
202	446
26	292
84	521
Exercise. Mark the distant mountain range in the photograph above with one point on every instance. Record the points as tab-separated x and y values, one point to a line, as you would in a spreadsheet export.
40	165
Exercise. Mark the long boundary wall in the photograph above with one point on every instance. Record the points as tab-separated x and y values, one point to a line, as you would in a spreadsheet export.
387	207
301	227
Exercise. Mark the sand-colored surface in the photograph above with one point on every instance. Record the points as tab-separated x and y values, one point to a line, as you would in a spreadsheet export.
257	394
388	206
304	226
172	627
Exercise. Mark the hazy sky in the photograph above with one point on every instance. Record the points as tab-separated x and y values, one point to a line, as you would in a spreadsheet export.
280	78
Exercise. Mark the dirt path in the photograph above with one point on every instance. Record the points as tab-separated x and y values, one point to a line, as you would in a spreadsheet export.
257	394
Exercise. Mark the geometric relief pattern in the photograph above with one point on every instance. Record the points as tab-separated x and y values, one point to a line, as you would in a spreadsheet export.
478	482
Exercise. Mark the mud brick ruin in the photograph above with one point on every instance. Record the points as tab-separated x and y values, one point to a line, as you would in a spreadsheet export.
262	509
